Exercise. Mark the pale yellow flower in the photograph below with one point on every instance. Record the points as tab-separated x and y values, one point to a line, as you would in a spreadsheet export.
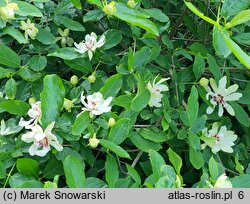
8	12
29	28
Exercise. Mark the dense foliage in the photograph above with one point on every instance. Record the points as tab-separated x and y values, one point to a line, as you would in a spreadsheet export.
126	93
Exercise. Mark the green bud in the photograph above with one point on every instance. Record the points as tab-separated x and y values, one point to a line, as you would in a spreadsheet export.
131	3
91	78
110	9
68	104
32	100
204	81
111	122
93	142
74	80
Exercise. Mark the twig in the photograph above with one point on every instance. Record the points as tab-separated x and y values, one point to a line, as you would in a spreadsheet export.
137	159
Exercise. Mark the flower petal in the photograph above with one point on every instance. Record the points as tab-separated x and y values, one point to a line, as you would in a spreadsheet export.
233	97
223	83
229	109
209	110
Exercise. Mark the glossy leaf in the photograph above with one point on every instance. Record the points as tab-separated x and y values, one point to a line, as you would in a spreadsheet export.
74	172
52	98
114	148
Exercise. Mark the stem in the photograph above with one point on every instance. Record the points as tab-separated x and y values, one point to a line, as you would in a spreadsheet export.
137	159
8	176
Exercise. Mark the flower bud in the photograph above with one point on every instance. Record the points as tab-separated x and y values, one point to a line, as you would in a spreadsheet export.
68	104
66	32
111	122
74	80
131	3
64	40
204	81
32	100
91	78
93	142
110	9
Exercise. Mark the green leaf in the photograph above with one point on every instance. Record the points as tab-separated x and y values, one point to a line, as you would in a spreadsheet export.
31	184
238	52
113	38
243	38
14	107
67	53
242	181
29	75
111	171
80	64
153	136
112	86
19	179
198	66
142	97
240	18
81	123
240	114
119	131
135	18
2	170
157	162
96	2
28	167
194	141
74	172
37	63
238	166
53	168
232	7
199	124
15	34
10	88
114	148
77	3
157	14
93	15
92	182
195	158
213	67
200	14
45	36
134	174
175	160
69	23
26	9
5	59
193	106
143	144
5	73
213	168
52	98
219	43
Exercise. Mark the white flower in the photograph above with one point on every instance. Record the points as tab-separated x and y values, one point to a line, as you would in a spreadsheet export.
155	92
223	182
90	44
96	104
42	140
219	139
220	95
8	12
35	113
